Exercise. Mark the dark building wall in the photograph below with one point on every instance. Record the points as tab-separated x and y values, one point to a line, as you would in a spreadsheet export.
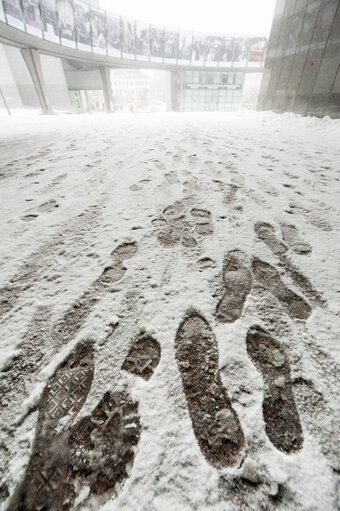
302	66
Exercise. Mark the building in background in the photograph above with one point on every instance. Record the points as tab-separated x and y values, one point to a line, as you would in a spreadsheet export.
302	66
251	89
160	90
130	87
62	46
207	91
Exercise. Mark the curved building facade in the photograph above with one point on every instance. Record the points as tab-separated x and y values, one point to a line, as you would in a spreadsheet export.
92	32
302	68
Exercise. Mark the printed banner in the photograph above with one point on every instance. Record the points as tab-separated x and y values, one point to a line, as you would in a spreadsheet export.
14	14
256	51
213	50
82	25
198	49
142	41
240	52
98	30
184	48
49	18
114	45
227	51
128	39
32	17
156	44
170	46
66	22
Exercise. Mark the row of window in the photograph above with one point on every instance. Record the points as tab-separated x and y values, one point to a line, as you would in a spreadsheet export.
211	77
203	100
132	90
141	83
209	107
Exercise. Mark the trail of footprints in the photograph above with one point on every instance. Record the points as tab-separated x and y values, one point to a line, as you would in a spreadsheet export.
93	454
177	225
32	356
31	270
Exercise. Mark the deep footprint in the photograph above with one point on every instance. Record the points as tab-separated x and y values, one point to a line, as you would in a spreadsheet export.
176	227
76	315
143	357
269	278
91	456
238	281
202	217
215	424
291	236
280	414
102	444
46	484
266	233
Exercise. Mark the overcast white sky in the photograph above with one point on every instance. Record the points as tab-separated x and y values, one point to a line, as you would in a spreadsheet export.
215	16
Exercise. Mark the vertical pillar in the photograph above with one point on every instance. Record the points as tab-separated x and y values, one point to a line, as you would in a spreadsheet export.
33	63
181	91
87	102
174	91
5	102
105	75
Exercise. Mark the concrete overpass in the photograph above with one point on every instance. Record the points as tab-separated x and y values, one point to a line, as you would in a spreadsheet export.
15	32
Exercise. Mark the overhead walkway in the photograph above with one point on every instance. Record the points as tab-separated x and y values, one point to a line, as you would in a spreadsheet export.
73	30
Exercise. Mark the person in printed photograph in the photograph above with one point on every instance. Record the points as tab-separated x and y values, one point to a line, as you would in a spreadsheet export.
170	45
31	11
83	23
227	50
257	46
213	49
198	48
185	44
129	37
49	15
142	40
66	20
113	31
156	42
98	29
13	8
241	50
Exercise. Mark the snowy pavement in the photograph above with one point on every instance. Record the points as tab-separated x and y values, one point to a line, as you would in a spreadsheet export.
169	312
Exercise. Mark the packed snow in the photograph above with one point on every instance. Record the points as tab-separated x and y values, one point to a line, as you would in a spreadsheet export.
73	188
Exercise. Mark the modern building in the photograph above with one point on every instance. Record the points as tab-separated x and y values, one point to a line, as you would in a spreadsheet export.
302	66
17	85
206	91
251	88
61	54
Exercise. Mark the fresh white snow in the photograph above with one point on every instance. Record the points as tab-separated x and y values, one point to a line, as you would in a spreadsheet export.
110	176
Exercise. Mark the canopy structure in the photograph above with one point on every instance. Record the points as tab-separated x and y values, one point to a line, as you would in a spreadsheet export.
73	29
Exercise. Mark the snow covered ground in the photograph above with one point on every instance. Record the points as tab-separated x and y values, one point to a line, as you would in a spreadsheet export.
73	189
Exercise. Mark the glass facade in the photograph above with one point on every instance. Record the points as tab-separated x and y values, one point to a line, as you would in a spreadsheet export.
302	72
209	91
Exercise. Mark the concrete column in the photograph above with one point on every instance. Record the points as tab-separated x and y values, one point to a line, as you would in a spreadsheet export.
174	91
4	101
180	91
87	102
33	63
105	76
